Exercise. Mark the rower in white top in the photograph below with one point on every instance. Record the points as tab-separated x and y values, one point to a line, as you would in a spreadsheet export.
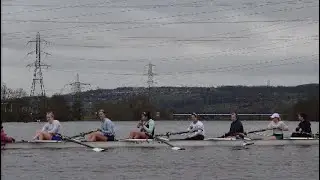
50	130
196	129
277	126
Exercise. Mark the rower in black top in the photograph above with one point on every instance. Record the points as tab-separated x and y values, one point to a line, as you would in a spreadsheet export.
304	127
236	128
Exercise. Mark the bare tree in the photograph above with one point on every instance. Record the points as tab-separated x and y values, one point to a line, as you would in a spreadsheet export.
8	93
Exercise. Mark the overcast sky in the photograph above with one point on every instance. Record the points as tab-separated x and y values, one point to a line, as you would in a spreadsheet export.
190	43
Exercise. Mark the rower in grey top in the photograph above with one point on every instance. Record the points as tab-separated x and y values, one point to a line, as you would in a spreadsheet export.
107	127
106	131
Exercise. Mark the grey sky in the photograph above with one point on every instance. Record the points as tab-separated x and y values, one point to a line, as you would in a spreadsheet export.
191	43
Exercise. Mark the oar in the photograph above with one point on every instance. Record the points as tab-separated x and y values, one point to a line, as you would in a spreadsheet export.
165	142
77	142
250	132
260	130
172	133
177	133
83	134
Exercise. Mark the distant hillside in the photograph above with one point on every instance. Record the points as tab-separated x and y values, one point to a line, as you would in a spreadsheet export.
127	103
254	99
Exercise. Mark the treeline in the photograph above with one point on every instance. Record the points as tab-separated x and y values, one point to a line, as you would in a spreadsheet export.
128	103
19	109
309	106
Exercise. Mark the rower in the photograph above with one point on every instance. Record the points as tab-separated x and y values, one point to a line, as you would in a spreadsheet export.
107	131
304	127
277	126
4	138
196	129
51	130
236	127
147	128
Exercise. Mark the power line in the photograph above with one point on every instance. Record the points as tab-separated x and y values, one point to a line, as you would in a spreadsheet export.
188	4
105	13
183	58
217	35
57	8
211	55
241	67
63	36
247	66
182	15
134	22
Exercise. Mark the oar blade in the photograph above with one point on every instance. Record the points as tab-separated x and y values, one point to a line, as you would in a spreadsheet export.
98	149
247	144
163	140
177	148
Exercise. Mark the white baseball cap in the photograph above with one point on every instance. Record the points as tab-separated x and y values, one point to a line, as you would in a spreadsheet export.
275	115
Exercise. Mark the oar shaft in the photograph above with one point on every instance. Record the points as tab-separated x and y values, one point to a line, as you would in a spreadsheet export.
177	133
167	143
79	143
163	141
82	134
182	132
74	141
259	130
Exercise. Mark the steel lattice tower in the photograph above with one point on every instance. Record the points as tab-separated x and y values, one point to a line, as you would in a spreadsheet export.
76	88
37	80
150	81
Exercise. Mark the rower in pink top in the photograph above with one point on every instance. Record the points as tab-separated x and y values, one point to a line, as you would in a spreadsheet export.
4	138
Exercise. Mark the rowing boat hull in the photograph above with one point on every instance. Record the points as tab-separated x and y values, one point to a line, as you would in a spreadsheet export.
143	143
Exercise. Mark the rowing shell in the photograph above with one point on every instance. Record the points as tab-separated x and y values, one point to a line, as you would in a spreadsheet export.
149	143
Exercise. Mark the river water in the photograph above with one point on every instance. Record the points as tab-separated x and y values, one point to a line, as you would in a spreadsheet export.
201	163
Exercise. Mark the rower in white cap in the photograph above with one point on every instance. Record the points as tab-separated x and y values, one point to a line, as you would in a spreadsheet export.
277	126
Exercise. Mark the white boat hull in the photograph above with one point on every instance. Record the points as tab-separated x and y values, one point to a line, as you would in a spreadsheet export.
148	143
